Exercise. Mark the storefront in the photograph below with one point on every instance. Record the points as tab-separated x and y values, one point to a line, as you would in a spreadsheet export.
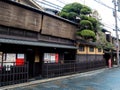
34	37
17	52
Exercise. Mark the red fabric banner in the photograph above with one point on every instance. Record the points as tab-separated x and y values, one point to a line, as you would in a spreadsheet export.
19	62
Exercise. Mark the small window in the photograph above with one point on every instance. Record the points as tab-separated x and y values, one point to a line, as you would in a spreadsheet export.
91	49
81	48
99	50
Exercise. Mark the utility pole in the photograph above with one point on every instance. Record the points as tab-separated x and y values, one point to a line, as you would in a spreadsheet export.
116	29
84	2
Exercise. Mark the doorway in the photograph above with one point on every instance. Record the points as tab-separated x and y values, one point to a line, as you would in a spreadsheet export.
30	57
69	57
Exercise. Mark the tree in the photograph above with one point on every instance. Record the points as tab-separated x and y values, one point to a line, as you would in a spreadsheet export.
87	23
86	34
103	43
75	8
85	10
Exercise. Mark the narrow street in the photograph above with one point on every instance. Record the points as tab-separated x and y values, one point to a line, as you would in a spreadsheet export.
108	79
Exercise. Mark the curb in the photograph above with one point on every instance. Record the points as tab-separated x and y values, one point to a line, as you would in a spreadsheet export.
89	73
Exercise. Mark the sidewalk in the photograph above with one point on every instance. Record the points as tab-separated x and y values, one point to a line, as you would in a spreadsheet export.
89	73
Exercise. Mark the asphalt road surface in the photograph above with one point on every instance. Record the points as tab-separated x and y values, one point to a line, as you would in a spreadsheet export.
109	79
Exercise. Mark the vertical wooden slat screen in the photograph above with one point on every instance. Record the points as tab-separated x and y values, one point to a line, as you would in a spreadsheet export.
18	17
59	28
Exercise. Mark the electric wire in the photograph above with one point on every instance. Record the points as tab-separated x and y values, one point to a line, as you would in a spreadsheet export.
62	2
59	8
52	5
104	4
108	7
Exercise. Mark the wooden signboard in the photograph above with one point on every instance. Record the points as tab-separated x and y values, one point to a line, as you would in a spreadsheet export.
18	17
59	28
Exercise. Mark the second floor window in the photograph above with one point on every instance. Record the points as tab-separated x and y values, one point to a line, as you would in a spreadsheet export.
99	50
91	49
81	48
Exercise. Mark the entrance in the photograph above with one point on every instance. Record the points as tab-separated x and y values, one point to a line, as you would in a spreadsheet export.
69	57
107	57
30	56
34	57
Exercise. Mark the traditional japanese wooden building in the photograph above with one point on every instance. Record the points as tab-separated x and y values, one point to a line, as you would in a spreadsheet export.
34	43
35	36
88	52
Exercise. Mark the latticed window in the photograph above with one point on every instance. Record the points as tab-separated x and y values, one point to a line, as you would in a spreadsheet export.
81	48
99	50
91	49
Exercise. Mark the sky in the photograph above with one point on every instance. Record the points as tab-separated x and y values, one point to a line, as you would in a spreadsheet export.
106	13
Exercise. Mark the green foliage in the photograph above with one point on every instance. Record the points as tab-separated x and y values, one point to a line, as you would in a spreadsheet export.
72	7
84	17
72	16
85	24
103	43
86	34
94	23
93	20
76	7
64	14
73	10
85	10
108	46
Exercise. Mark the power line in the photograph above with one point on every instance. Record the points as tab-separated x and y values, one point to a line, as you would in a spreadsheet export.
104	4
55	6
62	2
52	5
107	7
109	27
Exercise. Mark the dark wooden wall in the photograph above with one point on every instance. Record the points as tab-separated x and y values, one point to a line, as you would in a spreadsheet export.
15	15
58	28
89	57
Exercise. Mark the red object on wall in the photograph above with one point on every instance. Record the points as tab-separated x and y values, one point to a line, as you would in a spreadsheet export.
19	62
56	58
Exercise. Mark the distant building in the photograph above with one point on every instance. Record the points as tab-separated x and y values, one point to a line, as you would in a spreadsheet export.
51	11
31	3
